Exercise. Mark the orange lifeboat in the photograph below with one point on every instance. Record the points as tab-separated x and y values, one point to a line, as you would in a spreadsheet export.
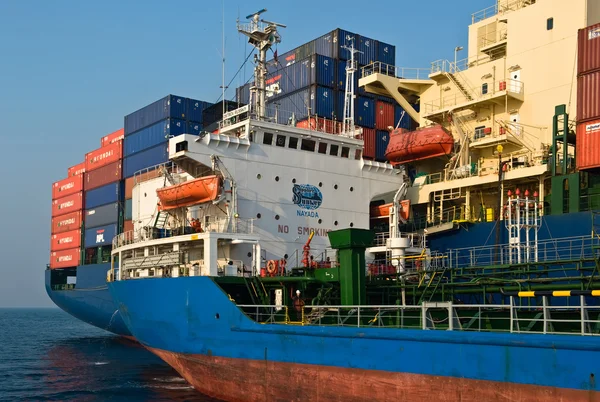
383	211
425	143
193	192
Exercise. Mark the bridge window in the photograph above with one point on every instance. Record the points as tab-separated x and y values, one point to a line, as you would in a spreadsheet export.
322	147
333	150
280	141
345	152
181	146
293	143
268	139
308	145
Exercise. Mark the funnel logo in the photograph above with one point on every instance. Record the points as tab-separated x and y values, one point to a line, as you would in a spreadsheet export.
307	196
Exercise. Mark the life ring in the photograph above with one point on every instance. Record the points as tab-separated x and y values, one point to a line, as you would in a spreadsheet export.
271	267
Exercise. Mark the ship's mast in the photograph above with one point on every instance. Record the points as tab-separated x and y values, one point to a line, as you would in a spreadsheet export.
348	128
262	35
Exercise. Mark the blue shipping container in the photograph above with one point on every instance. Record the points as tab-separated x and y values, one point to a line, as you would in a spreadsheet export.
193	128
104	195
102	215
171	106
315	70
368	49
341	78
386	53
364	110
152	136
145	159
128	209
342	38
194	110
100	236
320	100
382	139
405	120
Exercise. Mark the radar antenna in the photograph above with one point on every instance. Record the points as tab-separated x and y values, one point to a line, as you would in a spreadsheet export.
262	35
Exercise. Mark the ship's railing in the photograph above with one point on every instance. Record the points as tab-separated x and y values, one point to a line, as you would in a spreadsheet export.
218	225
499	7
554	250
517	316
415	240
409	73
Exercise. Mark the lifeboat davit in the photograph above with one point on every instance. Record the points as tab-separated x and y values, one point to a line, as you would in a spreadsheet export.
409	146
193	192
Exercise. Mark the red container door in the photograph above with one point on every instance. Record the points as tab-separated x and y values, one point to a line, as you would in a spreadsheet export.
65	241
588	144
77	169
68	186
384	115
65	205
65	258
102	176
588	101
104	156
369	135
588	49
67	222
127	226
112	137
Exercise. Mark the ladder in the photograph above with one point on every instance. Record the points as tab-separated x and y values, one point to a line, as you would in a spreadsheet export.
161	220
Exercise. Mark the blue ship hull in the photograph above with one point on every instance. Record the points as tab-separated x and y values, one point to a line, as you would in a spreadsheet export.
90	301
194	326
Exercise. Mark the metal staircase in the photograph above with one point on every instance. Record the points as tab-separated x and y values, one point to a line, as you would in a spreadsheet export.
452	77
161	220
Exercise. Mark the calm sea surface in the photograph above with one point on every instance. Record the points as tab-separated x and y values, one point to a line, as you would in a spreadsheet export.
47	355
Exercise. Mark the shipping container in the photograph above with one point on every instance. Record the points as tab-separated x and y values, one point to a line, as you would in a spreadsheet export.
127	226
130	182
103	215
103	176
193	128
341	39
104	156
341	78
320	100
67	222
314	70
65	258
68	186
382	141
214	113
405	120
171	106
588	144
68	204
368	50
384	115
145	159
100	236
128	209
364	110
76	170
588	52
386	53
588	101
113	137
242	94
369	138
65	240
195	109
107	194
152	136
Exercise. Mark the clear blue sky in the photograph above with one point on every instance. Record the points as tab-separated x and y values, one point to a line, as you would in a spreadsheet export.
70	71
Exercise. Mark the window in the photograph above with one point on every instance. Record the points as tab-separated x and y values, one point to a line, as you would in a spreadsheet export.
345	152
181	146
322	147
308	145
333	150
358	154
293	143
280	141
549	24
268	139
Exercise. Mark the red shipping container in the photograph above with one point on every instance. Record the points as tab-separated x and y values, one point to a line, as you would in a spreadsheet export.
588	101
112	137
588	49
588	144
66	240
65	205
104	175
64	223
65	258
369	135
103	156
384	115
68	186
127	226
77	169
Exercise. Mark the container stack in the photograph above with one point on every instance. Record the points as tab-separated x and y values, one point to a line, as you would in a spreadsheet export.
588	107
67	218
103	198
313	77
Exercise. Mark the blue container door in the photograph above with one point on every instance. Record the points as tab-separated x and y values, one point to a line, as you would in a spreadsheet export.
171	106
154	135
341	78
386	53
145	159
368	49
324	45
323	102
324	71
364	112
193	128
343	38
103	195
194	110
100	236
381	142
293	104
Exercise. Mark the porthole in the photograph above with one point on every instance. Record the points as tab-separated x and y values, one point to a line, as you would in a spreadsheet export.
258	176
351	224
258	216
285	256
294	181
249	255
276	217
351	188
276	178
335	186
320	221
217	316
335	223
320	184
